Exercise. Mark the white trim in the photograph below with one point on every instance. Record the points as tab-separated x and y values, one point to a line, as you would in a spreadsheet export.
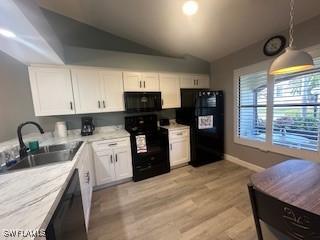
123	69
258	67
243	163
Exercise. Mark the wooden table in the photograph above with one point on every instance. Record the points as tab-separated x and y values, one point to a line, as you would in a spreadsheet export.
287	197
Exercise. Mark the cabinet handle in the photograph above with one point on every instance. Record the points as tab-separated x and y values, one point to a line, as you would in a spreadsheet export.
88	177
140	84
71	105
116	157
111	159
99	104
144	84
171	146
161	102
179	134
194	82
112	144
104	103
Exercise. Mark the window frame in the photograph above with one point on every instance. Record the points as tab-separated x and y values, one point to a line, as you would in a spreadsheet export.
267	145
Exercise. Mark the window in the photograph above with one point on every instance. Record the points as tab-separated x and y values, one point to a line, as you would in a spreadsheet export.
252	106
296	112
279	114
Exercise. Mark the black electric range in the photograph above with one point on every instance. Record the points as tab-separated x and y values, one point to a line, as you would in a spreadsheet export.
149	147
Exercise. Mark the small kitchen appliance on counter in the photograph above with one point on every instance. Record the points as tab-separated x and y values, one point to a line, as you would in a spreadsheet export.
164	122
60	130
88	127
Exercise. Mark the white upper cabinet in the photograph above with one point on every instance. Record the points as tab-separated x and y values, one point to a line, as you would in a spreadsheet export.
203	81
141	82
132	81
51	91
195	81
97	90
170	90
113	99
87	89
150	82
58	90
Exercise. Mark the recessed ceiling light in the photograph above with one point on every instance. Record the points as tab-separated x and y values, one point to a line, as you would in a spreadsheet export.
190	7
7	33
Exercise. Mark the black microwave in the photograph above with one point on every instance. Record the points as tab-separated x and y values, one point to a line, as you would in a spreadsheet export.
142	101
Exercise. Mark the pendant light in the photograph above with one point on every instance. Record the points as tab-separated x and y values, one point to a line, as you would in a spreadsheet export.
292	60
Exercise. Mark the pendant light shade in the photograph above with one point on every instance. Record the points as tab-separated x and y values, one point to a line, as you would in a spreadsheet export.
291	61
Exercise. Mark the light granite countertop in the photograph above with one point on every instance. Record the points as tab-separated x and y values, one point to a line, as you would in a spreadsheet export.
29	197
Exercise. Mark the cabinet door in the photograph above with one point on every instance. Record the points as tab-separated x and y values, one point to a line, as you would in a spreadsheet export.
150	82
51	91
202	81
87	175
187	81
86	191
87	90
123	163
170	90
132	81
112	91
179	151
104	166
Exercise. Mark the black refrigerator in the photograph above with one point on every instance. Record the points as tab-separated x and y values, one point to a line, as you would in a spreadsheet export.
203	111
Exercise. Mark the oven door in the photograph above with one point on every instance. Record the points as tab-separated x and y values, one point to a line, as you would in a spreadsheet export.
142	101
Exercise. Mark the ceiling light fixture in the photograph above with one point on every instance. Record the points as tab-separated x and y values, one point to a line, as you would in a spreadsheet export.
190	7
292	60
7	33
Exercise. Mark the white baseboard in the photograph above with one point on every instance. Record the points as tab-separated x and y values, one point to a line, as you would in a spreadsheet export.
242	163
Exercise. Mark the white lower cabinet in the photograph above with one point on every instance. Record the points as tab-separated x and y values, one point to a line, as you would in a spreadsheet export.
85	176
179	145
123	163
112	160
104	166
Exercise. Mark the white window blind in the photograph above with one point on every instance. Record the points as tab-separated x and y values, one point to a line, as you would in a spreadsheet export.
296	110
252	106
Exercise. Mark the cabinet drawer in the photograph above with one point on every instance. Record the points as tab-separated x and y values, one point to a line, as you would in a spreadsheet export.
110	144
179	134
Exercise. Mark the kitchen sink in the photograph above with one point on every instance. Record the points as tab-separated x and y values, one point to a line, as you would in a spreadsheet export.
58	147
46	155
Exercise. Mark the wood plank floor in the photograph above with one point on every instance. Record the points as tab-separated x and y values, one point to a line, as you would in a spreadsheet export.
210	202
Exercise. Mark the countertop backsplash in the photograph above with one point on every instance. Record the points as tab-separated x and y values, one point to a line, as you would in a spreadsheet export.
10	149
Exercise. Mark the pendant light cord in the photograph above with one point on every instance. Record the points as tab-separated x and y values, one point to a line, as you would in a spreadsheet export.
291	23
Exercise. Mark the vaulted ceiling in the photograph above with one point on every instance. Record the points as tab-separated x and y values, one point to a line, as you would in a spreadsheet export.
218	29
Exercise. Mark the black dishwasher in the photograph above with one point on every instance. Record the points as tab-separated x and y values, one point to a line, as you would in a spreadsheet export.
68	221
